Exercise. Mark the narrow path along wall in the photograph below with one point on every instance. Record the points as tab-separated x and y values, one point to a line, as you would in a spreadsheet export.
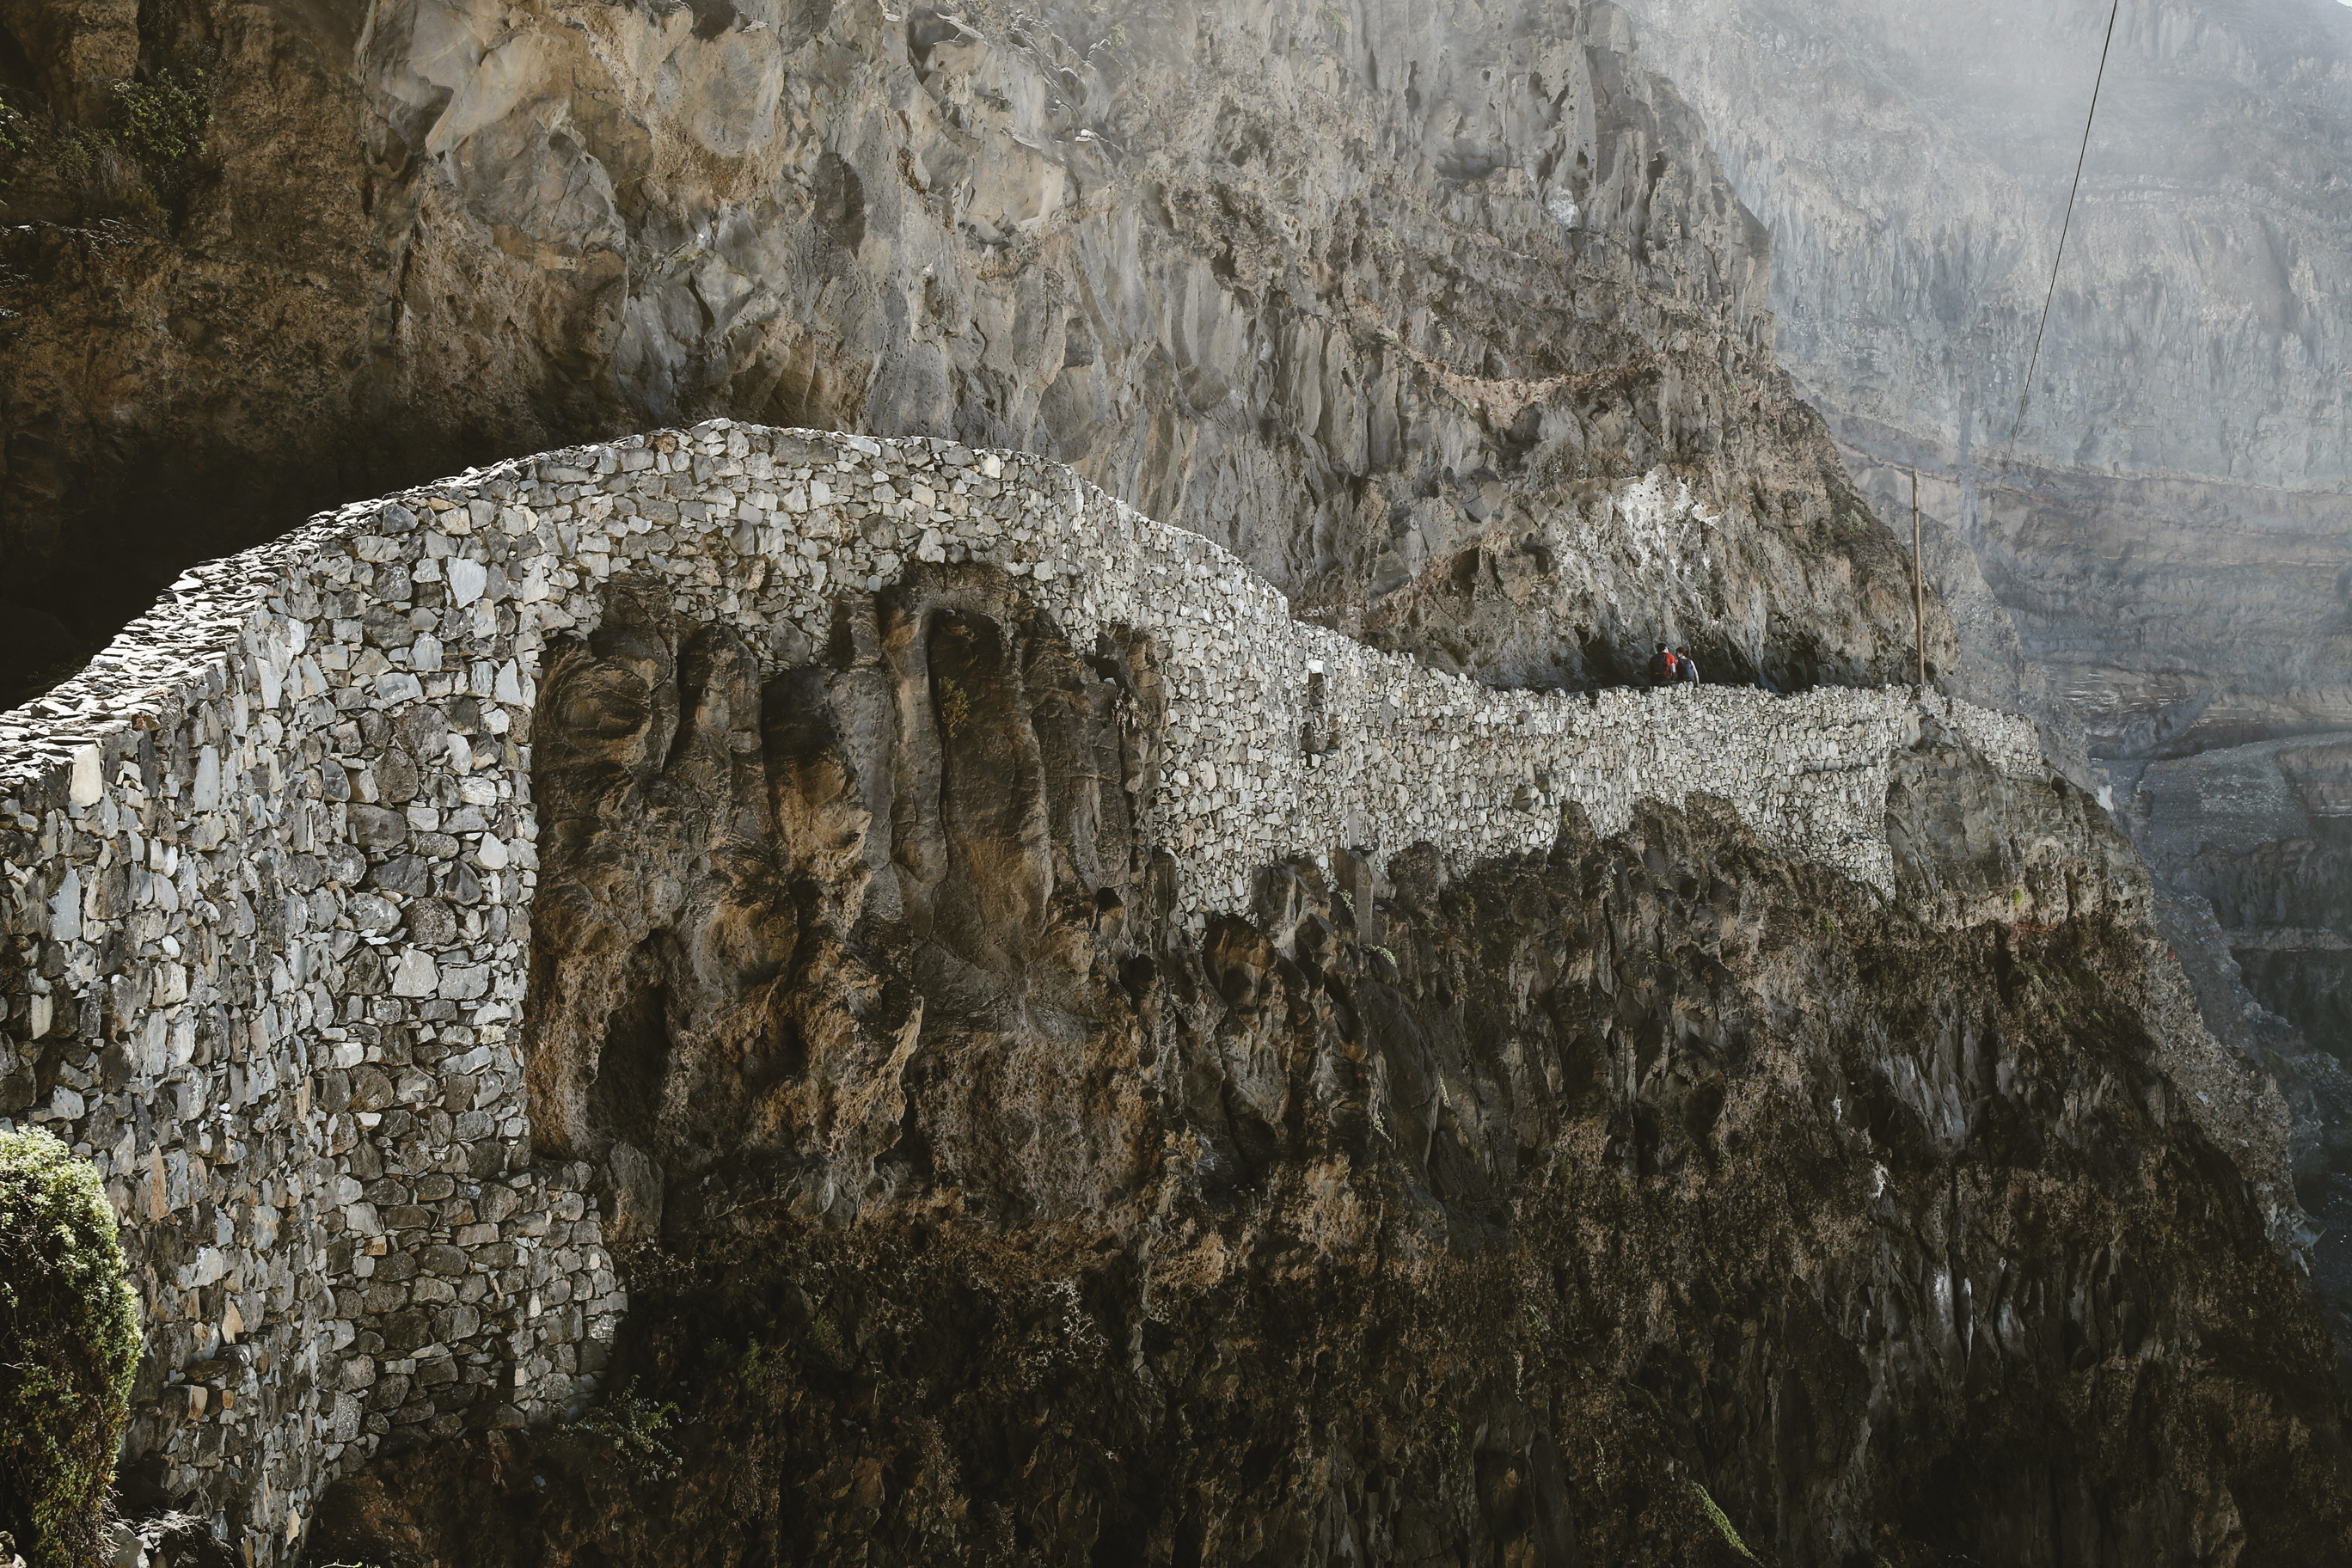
270	864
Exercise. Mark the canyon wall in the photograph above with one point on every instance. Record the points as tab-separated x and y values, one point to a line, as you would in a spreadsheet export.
2154	557
1367	294
273	861
1050	1072
1912	168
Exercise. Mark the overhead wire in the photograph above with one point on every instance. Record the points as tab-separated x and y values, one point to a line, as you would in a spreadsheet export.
2026	392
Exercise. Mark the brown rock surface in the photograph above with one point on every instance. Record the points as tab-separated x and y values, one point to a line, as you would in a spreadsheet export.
1520	1216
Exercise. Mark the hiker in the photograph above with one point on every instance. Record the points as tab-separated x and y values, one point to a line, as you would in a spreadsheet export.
1685	669
1662	667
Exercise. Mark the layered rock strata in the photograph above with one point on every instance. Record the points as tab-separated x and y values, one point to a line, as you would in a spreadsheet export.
273	864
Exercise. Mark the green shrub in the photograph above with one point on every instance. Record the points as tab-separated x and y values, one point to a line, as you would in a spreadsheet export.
747	1367
76	151
16	130
69	1345
163	120
635	1427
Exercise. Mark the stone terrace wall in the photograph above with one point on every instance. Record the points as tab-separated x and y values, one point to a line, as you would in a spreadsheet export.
270	865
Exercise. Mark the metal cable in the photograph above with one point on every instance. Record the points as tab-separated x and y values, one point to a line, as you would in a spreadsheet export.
2034	363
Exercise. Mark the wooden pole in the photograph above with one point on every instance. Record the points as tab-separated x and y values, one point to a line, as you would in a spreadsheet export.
1918	587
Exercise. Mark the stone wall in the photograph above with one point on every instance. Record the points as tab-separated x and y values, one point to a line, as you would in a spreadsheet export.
269	868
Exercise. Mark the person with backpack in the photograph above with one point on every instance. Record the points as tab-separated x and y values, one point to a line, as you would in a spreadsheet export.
1685	669
1662	667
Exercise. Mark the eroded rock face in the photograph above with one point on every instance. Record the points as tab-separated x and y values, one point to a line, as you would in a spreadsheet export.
1373	298
1913	165
1406	1217
956	775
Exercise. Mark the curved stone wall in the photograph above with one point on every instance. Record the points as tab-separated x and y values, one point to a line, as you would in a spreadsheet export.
270	869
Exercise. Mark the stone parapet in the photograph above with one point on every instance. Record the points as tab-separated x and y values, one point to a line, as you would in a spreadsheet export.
270	864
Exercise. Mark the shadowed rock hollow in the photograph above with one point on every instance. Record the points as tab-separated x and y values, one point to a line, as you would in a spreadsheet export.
977	1214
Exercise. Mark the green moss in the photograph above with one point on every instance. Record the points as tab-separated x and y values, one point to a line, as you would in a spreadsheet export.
824	1341
69	1345
1715	1517
955	707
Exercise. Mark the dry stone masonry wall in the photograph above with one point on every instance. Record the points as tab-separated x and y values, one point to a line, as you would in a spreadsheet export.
269	865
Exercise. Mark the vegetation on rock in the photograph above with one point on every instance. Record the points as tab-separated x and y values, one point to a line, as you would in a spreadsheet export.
163	120
15	135
635	1427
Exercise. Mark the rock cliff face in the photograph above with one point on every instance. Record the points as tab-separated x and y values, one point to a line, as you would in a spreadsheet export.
2166	538
1369	293
2254	839
1588	1207
1620	1202
1912	168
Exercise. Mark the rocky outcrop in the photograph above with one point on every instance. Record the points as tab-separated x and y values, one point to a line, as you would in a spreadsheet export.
275	859
1593	1204
1373	295
854	859
2316	1083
